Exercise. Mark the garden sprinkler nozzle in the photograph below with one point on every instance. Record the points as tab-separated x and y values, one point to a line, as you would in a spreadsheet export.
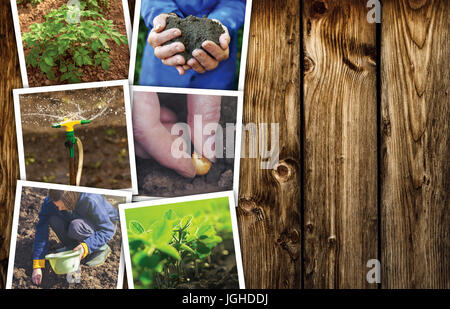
71	140
70	136
69	124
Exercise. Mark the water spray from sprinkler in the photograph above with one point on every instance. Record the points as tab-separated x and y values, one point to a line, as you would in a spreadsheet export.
70	142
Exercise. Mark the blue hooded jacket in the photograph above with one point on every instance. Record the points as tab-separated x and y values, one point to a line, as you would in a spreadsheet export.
231	13
94	208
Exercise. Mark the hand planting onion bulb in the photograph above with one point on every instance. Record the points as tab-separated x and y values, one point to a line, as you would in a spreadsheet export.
153	124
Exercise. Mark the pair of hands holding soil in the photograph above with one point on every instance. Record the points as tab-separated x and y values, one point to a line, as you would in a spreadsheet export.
202	61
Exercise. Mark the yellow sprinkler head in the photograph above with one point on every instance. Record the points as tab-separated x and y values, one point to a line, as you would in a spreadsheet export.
69	124
70	134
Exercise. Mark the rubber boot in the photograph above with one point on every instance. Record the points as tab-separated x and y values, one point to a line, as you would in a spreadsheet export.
98	257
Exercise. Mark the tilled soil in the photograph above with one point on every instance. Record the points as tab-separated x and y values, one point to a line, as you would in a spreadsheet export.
120	55
157	180
106	160
194	31
220	273
102	277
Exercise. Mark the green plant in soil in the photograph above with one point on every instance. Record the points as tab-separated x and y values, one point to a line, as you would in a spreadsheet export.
97	5
162	254
58	46
33	2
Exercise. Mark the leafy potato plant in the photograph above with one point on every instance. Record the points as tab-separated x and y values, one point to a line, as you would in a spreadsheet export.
97	5
65	47
33	2
162	254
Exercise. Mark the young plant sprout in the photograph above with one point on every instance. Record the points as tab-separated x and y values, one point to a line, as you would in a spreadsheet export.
202	165
174	248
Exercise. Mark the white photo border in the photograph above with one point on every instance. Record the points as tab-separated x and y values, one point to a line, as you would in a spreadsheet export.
129	123
244	51
239	113
182	199
20	49
15	222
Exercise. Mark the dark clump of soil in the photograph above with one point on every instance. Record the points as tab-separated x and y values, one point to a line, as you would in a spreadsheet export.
102	277
194	31
157	180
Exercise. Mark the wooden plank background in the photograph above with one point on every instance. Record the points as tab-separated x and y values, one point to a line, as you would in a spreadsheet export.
269	200
364	146
415	177
340	144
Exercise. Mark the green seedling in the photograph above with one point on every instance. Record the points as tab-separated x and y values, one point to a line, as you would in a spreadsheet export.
97	5
29	160
50	178
162	254
33	2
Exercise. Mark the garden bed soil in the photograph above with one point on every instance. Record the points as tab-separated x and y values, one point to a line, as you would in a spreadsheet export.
120	55
219	273
106	160
101	277
194	31
157	180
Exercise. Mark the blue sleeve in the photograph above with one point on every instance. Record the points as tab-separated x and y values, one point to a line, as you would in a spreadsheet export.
42	229
152	8
231	13
104	228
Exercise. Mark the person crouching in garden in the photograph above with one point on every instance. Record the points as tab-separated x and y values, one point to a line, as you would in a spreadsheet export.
81	221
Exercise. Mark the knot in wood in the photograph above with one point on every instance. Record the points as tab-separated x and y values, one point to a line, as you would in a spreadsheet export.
318	8
308	65
332	241
288	241
250	207
284	170
370	52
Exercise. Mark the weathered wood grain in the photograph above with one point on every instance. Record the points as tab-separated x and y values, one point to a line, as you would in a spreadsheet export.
415	173
340	148
9	164
269	200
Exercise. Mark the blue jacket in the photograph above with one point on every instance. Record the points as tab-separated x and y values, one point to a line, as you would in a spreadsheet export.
231	13
91	207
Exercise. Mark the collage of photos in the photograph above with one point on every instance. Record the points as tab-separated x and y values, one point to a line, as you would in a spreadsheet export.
129	143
